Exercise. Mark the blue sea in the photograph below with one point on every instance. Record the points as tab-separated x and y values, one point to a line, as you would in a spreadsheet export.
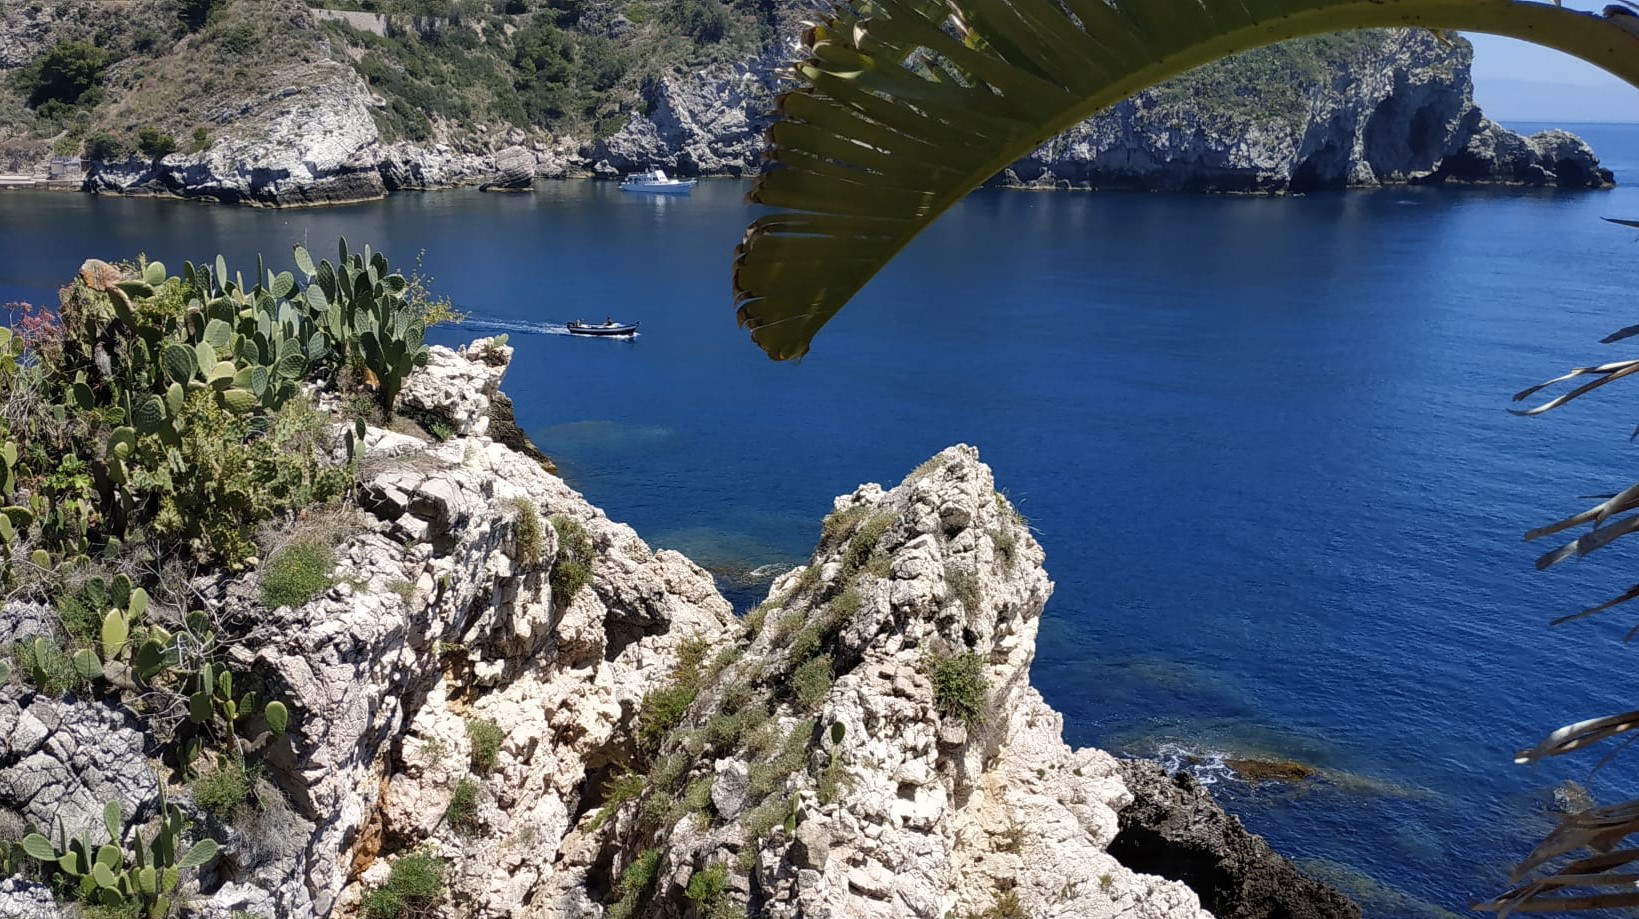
1262	440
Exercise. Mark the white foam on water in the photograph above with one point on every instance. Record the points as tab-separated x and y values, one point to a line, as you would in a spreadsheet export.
1206	767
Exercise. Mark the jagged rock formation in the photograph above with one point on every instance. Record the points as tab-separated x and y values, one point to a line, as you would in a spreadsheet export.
1361	109
1370	108
866	744
1173	829
881	801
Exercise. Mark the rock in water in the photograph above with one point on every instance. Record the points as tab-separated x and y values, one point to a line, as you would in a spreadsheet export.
1175	830
514	171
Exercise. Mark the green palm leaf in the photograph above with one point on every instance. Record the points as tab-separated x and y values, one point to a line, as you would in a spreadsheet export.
911	104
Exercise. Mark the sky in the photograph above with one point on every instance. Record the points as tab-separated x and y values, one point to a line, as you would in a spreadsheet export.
1517	81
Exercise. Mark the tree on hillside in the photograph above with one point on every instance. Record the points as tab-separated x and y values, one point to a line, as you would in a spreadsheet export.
66	74
195	13
911	104
155	144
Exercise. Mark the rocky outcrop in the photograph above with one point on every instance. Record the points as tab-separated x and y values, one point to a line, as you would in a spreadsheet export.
311	142
576	725
1377	108
1175	830
917	773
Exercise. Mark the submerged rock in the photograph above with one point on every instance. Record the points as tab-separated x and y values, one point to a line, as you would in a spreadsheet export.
1270	770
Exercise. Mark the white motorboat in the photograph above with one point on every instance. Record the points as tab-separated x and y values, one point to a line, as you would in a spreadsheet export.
656	183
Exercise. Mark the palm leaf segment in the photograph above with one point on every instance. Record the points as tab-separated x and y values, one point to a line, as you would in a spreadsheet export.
911	104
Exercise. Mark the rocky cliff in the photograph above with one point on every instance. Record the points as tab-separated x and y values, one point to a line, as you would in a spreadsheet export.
506	685
291	106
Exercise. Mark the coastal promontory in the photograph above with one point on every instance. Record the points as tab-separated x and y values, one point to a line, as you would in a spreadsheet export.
392	665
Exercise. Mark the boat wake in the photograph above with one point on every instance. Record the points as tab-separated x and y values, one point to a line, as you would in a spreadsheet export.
482	324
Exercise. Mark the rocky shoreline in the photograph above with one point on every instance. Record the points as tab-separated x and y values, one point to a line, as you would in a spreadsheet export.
1377	108
860	787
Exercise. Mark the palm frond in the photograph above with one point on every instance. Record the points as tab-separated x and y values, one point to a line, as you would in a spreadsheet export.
908	105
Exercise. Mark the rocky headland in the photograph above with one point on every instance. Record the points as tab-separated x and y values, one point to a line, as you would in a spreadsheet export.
501	682
358	105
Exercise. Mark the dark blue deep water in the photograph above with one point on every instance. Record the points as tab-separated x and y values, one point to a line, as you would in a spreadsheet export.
1263	442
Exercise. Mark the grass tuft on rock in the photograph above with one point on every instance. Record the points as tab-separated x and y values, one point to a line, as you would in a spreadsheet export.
707	888
221	790
485	737
573	568
413	886
46	666
812	681
530	537
297	574
959	686
636	884
462	812
616	792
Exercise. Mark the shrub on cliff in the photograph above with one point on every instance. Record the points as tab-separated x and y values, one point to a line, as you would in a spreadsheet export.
572	569
155	144
959	686
485	737
702	20
297	574
106	148
414	884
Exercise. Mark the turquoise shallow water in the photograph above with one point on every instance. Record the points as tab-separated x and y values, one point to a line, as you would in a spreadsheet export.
1263	442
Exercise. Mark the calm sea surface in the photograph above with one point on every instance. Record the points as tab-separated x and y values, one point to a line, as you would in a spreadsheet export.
1262	440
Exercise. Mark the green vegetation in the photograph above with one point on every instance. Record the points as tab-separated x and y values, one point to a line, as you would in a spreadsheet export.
662	710
959	686
67	75
964	586
159	426
221	790
622	788
414	885
1276	83
195	13
485	737
43	664
636	885
155	144
838	171
707	888
1005	906
531	539
297	574
1007	546
811	681
141	881
462	812
573	568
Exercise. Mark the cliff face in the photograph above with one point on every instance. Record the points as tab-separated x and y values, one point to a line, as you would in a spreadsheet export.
338	107
865	744
1358	109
